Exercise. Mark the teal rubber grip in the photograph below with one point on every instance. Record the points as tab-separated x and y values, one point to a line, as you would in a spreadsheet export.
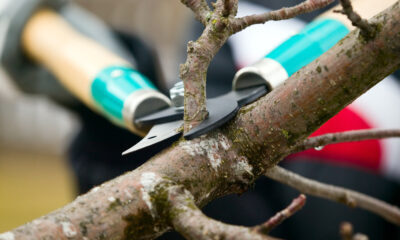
304	47
113	85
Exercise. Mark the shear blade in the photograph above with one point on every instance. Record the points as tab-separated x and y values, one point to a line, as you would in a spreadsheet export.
224	108
221	109
167	115
158	134
249	95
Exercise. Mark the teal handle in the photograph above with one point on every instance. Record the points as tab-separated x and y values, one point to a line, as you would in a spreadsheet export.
304	47
113	85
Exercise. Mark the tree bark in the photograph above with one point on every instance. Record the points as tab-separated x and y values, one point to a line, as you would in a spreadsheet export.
228	160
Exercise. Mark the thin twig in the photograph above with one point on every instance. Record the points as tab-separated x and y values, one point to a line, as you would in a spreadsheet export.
200	9
274	221
334	193
367	29
284	13
348	136
227	7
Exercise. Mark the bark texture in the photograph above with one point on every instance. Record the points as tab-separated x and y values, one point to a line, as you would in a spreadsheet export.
228	160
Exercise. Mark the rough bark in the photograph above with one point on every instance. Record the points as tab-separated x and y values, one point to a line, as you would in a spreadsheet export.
228	160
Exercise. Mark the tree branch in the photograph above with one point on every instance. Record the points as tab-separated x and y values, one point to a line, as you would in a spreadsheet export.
338	194
348	136
193	224
283	13
200	8
274	221
189	221
229	159
367	30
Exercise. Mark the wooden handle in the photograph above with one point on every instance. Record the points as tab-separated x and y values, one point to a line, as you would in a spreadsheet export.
74	59
366	9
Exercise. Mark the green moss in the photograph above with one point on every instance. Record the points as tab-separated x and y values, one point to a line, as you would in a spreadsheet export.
318	69
103	236
285	133
140	226
208	16
247	109
292	138
114	204
348	53
83	227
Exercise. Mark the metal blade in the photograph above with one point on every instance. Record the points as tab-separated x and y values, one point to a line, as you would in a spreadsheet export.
249	95
163	116
221	109
157	135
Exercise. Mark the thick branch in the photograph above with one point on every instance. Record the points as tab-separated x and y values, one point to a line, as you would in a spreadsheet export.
349	136
338	194
283	13
229	159
200	8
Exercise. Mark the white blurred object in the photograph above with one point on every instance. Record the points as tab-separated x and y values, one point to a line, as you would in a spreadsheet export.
7	88
261	38
33	123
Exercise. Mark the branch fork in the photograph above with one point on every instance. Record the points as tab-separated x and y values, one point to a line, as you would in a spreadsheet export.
220	23
367	29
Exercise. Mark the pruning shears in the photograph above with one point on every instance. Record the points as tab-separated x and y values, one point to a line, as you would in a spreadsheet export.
167	123
249	83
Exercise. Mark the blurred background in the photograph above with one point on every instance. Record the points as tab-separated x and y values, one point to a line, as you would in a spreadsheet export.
34	132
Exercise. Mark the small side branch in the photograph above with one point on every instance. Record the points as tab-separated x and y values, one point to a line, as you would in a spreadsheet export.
334	193
200	9
283	13
226	8
188	220
274	221
349	136
367	29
